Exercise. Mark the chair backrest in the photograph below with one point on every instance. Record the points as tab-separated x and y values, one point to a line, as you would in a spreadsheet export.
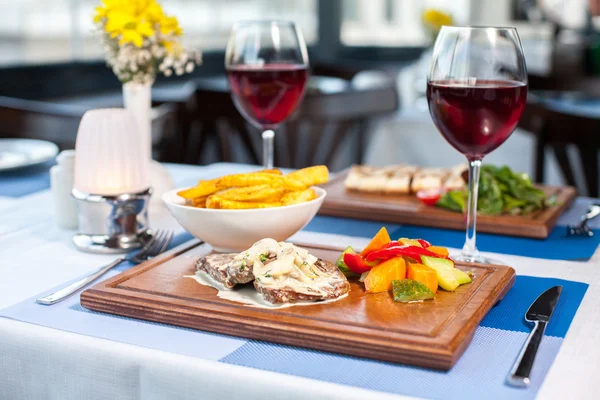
585	84
334	111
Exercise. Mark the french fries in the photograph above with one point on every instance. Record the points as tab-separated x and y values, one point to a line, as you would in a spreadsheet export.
215	201
202	189
253	193
261	189
299	196
311	176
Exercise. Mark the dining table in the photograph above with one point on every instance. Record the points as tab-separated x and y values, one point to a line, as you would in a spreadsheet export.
65	351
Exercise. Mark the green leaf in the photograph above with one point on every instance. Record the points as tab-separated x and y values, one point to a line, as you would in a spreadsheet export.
453	201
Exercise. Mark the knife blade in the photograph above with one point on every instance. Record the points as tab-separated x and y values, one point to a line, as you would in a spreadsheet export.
539	313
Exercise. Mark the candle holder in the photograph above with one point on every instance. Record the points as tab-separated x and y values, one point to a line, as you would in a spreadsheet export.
111	185
112	224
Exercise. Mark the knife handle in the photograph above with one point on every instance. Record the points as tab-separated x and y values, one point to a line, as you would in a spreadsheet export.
519	375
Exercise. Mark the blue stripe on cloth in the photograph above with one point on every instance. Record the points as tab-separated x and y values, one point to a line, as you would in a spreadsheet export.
508	314
479	374
347	226
24	181
557	246
177	240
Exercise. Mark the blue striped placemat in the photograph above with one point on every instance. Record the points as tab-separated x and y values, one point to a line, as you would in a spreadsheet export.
557	246
480	372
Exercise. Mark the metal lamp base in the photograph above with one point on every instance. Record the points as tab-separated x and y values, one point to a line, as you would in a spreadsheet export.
112	224
105	244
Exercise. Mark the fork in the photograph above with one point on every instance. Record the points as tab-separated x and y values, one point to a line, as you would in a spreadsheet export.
158	244
583	229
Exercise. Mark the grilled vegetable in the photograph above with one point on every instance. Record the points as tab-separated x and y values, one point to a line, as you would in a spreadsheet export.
407	290
424	274
379	240
413	252
356	263
381	276
342	265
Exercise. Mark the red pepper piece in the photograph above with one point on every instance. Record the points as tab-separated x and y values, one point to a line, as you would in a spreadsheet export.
414	252
424	243
356	263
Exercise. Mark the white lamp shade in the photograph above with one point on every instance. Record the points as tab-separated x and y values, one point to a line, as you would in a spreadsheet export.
110	157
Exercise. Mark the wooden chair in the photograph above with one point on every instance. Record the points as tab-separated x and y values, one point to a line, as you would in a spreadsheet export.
557	127
333	110
58	123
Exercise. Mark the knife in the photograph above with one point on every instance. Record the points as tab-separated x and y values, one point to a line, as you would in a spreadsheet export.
539	313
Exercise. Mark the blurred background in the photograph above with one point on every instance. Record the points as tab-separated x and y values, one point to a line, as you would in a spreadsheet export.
365	101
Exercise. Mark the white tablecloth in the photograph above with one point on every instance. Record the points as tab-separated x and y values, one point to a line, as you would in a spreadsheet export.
42	363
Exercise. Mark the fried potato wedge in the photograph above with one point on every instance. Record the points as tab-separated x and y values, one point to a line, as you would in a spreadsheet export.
274	171
259	178
265	193
215	201
251	179
291	183
202	189
311	176
299	196
199	202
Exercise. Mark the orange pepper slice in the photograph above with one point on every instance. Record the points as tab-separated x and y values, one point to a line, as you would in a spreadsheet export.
442	251
379	240
381	276
424	274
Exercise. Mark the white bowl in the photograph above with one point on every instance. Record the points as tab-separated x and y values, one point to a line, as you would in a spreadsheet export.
237	230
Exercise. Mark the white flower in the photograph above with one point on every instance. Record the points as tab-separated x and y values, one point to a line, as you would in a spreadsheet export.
179	71
168	73
168	61
189	67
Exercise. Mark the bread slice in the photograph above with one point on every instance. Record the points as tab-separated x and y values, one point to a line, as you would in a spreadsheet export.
399	181
429	178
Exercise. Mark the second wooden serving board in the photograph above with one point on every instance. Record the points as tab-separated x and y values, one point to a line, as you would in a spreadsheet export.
407	209
430	334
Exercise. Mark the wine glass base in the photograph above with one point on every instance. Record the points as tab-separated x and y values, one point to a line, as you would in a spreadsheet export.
479	259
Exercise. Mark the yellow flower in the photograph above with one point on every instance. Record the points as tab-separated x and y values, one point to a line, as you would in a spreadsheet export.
435	19
130	28
131	21
109	6
173	48
170	25
154	12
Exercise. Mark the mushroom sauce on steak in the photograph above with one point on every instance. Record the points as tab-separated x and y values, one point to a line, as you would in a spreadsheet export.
282	272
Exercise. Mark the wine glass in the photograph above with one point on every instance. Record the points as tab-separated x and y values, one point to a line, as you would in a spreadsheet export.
476	90
267	68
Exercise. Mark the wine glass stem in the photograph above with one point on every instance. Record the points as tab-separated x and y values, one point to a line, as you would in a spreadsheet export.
470	247
268	137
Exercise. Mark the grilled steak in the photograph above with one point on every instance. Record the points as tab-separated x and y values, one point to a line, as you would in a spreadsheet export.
282	272
330	283
232	269
216	265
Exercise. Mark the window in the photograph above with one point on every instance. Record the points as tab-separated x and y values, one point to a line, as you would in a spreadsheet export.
61	30
393	22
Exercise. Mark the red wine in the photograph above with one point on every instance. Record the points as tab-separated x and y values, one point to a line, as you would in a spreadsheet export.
476	118
267	95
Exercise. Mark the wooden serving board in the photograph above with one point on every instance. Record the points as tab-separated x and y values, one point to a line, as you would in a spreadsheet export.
430	334
407	209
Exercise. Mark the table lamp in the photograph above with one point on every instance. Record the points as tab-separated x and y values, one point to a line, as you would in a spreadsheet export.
111	183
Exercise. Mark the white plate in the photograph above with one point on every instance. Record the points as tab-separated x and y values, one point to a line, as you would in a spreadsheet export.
19	153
